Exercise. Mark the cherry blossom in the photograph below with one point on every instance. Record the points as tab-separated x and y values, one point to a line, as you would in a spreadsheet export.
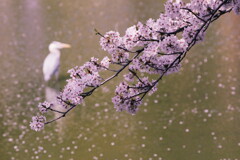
111	41
44	107
105	62
236	8
37	122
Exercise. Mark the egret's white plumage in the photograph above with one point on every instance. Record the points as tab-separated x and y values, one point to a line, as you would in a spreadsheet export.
52	61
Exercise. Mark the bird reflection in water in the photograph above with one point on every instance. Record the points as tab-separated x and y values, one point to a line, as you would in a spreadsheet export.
51	96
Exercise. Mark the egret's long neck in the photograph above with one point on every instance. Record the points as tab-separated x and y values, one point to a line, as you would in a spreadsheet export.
54	51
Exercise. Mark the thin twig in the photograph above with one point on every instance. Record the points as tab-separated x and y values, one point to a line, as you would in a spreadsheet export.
189	10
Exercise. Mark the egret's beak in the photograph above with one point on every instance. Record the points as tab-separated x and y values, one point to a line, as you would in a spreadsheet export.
65	45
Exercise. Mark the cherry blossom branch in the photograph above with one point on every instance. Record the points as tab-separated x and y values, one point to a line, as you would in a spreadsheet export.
61	116
57	111
164	44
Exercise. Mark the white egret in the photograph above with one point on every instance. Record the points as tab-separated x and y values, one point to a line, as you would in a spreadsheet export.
52	61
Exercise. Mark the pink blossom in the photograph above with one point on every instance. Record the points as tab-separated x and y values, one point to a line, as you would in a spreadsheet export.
173	8
131	38
189	34
105	62
111	41
171	44
120	56
73	89
37	122
236	8
45	106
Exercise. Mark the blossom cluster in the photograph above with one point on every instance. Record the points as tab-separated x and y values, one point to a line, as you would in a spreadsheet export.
153	48
82	77
44	107
236	8
127	96
37	122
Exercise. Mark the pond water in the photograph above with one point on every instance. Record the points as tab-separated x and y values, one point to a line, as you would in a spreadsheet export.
194	115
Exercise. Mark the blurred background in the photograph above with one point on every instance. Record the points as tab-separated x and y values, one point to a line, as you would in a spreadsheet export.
194	115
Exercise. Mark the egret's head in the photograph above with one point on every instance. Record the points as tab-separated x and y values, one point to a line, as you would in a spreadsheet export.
58	45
